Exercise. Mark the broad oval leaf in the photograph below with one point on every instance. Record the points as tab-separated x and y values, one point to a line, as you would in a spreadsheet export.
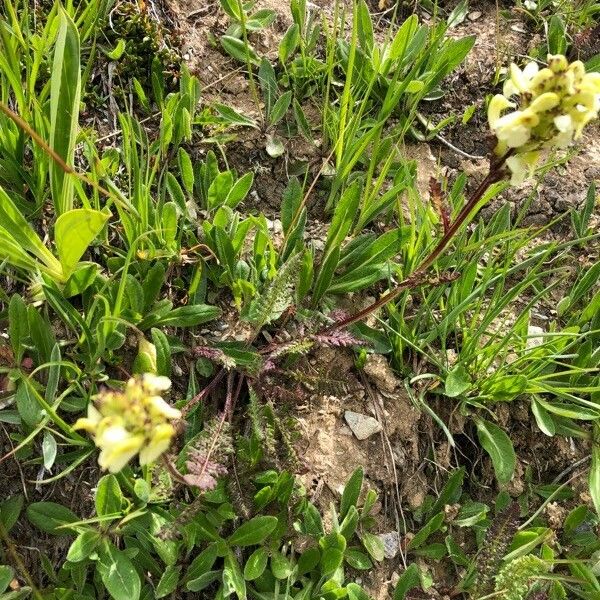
118	574
50	517
74	231
253	532
85	543
497	444
108	496
256	564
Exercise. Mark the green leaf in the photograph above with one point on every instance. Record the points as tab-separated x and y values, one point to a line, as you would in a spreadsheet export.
233	580
253	532
358	560
350	523
74	231
175	192
84	544
186	170
48	450
280	565
408	580
302	121
202	582
430	527
231	7
65	90
594	478
256	564
203	563
188	316
373	545
163	352
543	418
280	108
42	336
118	574
109	498
278	296
451	491
17	327
331	559
260	19
117	51
557	37
365	27
50	516
351	492
233	117
168	582
289	43
308	560
313	523
498	445
10	509
458	15
457	381
290	203
29	409
239	190
17	239
6	576
239	50
53	375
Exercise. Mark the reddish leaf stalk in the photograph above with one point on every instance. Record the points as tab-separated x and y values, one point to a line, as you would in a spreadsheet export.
417	277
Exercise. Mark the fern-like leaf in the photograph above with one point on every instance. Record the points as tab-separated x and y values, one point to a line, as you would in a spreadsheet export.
279	296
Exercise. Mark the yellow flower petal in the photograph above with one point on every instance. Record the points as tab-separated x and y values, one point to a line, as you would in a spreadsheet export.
545	102
155	383
540	81
113	458
517	78
160	407
160	442
497	104
86	424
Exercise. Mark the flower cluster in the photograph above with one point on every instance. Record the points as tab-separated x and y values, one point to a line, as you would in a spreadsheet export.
136	420
554	105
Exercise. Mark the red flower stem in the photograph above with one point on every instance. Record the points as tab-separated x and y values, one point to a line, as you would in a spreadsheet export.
496	173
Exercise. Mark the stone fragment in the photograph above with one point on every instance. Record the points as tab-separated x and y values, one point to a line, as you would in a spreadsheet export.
535	337
362	426
391	543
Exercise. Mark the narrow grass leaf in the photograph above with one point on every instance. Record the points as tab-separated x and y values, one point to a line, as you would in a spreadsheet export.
65	91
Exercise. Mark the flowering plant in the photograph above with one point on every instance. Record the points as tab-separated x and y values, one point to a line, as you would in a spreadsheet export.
554	104
136	420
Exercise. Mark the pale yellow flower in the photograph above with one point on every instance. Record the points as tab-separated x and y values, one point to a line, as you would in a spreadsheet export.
134	421
554	105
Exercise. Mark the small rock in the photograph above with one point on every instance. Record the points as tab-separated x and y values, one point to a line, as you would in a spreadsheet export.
535	337
391	543
362	426
474	15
